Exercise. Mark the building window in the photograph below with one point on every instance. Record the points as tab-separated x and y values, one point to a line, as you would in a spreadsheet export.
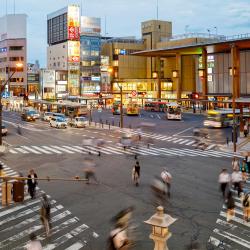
16	48
115	63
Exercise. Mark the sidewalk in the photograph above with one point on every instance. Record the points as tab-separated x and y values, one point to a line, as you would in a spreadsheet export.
242	145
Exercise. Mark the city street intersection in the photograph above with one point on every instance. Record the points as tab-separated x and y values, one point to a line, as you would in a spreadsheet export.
81	213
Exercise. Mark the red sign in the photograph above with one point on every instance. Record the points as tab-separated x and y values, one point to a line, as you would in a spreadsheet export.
74	58
133	93
73	33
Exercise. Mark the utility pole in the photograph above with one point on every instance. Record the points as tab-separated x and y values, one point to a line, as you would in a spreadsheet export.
121	110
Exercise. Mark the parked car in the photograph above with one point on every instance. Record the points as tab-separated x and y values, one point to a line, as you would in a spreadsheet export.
27	116
79	122
58	122
47	116
4	130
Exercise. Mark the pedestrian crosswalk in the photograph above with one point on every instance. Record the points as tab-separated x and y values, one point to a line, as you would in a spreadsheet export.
116	149
17	221
235	234
188	141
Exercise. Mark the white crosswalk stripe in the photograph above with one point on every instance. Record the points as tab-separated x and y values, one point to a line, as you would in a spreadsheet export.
19	220
117	149
174	139
235	233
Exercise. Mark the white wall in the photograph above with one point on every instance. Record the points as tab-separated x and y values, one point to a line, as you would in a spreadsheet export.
13	26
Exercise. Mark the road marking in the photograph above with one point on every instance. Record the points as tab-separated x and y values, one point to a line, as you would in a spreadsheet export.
232	237
74	149
159	117
62	149
51	149
67	236
41	150
191	142
30	149
21	150
75	246
183	131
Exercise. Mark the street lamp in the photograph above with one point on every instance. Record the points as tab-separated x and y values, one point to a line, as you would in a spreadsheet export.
160	223
121	107
2	87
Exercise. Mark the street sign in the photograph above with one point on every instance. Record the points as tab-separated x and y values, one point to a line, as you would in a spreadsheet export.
133	93
6	94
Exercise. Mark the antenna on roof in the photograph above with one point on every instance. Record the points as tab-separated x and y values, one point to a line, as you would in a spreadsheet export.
105	26
157	12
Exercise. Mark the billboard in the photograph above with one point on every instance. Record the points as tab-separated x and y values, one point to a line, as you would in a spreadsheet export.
90	25
74	51
73	22
48	78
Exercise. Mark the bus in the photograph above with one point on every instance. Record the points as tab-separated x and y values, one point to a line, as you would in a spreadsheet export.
222	118
155	106
173	111
132	108
116	109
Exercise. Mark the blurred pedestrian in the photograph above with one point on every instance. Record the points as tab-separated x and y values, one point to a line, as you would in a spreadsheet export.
32	183
235	163
19	131
167	178
245	130
224	179
45	214
246	206
34	244
244	170
230	206
158	188
236	178
136	173
89	170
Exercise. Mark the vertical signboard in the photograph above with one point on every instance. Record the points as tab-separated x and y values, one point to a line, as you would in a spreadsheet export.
73	51
73	22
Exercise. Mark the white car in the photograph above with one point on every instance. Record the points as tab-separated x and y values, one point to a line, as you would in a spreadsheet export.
47	116
58	122
35	114
79	122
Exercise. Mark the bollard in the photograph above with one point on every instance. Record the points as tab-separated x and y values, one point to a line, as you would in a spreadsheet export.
106	122
113	123
119	124
109	126
227	140
102	124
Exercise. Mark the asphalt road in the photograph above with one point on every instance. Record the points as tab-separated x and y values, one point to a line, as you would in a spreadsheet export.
195	200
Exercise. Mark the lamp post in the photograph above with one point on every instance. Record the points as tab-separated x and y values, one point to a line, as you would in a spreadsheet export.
2	86
121	108
160	223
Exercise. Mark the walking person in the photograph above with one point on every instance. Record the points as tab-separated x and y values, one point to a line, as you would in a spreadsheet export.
224	179
166	177
34	244
45	214
244	170
32	183
136	173
235	164
246	206
245	130
236	178
89	170
230	206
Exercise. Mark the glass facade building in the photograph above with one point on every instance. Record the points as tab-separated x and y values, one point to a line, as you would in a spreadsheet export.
90	63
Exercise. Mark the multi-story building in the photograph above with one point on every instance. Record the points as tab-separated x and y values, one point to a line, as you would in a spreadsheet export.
33	80
135	74
63	52
13	50
48	84
90	55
